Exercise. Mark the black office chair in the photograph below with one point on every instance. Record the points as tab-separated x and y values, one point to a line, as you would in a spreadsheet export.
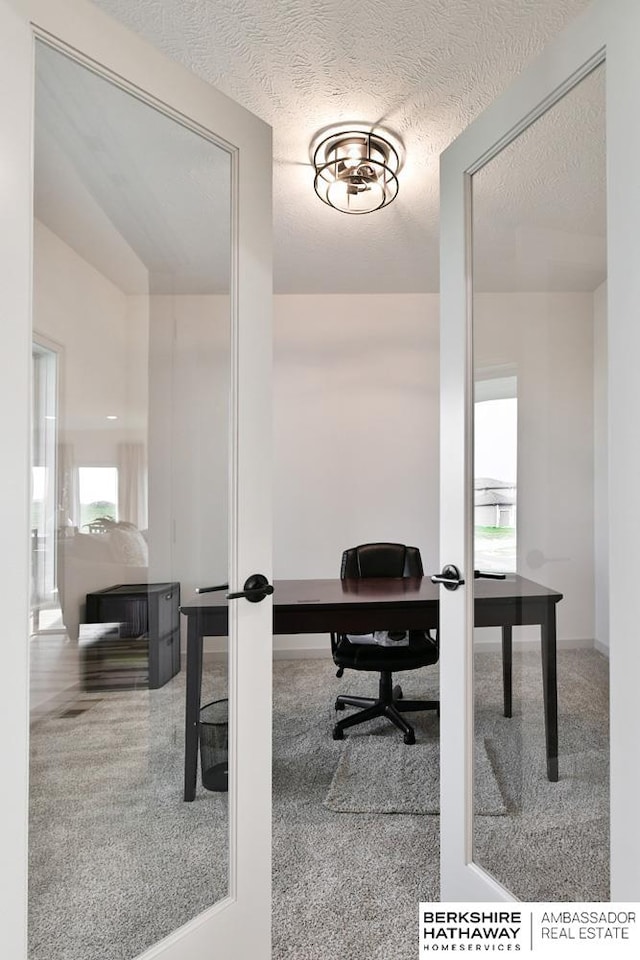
383	560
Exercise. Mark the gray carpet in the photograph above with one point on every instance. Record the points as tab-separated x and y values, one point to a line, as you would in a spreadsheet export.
555	842
117	860
380	775
346	885
115	857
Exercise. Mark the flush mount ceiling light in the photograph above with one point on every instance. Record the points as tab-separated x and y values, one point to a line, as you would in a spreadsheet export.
356	170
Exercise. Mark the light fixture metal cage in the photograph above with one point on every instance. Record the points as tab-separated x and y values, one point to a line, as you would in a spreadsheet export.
356	171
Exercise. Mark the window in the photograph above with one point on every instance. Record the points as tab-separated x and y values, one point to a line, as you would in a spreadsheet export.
98	488
44	387
495	474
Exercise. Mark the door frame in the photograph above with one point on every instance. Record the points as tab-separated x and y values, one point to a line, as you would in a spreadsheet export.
604	32
78	28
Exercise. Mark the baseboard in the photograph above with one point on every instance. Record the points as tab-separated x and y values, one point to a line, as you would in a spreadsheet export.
311	646
208	656
323	651
279	653
302	653
530	643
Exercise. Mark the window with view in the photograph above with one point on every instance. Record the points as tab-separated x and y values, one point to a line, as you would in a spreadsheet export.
98	489
495	475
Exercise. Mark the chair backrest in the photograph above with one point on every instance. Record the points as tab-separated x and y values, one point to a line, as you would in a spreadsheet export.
381	560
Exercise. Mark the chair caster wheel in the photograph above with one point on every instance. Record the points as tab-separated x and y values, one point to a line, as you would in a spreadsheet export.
397	692
339	706
409	739
338	734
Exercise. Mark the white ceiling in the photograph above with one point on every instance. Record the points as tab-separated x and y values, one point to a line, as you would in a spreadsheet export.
423	68
139	196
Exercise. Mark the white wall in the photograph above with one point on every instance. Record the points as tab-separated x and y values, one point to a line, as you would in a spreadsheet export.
104	349
356	434
189	378
548	340
355	427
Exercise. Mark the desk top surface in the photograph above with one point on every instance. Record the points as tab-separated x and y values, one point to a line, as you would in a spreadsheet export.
380	591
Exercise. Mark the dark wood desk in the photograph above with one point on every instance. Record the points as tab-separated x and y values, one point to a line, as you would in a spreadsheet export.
360	606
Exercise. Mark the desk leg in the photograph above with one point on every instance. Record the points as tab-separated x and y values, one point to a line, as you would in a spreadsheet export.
507	669
550	691
192	707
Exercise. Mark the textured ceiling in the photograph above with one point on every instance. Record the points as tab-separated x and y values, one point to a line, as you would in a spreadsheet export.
539	207
424	68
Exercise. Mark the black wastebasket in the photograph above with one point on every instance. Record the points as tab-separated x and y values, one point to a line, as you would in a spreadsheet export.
214	745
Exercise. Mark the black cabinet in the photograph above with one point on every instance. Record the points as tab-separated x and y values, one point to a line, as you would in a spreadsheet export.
131	637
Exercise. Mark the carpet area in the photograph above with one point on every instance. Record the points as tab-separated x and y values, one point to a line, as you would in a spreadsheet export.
554	845
117	860
346	885
380	775
115	857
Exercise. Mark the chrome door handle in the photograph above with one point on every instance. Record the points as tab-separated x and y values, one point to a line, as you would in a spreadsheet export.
450	577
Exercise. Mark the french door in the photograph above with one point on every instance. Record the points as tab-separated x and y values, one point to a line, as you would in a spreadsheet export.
540	400
136	234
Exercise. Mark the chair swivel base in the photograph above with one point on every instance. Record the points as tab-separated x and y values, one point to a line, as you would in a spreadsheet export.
390	704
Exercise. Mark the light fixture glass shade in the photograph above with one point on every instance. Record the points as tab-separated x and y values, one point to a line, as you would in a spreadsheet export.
356	171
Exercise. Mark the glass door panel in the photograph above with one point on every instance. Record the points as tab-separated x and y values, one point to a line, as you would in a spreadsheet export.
540	504
132	266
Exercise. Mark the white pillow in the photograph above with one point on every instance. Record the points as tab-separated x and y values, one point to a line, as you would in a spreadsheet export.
129	547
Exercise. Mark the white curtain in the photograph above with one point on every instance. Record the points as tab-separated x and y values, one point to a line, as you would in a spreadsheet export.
68	488
132	484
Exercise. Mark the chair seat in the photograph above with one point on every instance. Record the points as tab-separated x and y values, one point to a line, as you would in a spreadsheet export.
420	652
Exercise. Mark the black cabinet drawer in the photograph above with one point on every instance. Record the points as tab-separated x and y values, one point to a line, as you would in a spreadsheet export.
163	613
144	648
